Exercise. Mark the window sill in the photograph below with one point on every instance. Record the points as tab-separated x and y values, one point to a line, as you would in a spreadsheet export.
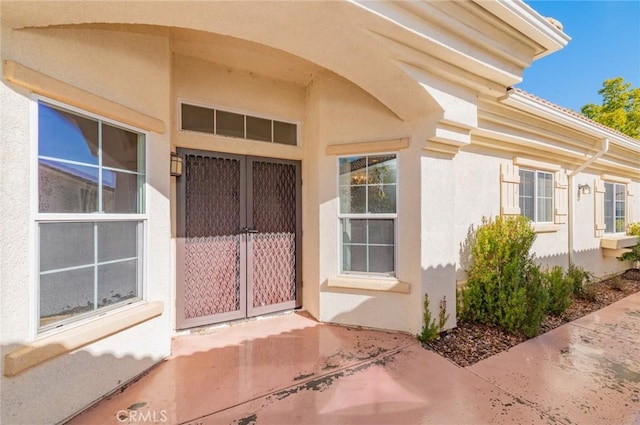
618	241
369	284
616	245
41	350
546	228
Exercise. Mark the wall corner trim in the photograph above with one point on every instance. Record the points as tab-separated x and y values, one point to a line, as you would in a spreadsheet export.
52	88
367	147
49	347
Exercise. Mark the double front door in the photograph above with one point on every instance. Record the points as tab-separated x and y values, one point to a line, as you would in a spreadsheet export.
238	248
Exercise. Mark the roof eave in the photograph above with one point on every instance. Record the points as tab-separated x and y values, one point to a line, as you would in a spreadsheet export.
529	22
540	109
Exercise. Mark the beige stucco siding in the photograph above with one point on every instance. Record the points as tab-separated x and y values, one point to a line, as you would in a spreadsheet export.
346	114
131	69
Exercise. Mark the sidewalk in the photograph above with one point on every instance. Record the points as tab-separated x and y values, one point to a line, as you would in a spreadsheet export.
292	370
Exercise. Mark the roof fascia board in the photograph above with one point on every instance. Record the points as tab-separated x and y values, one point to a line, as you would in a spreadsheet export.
526	20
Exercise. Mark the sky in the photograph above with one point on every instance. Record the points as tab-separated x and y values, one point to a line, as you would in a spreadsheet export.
605	43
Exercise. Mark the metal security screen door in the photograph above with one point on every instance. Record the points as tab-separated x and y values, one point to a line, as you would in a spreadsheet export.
238	250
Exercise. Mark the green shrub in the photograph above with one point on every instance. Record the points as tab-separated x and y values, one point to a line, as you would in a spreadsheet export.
617	283
560	289
430	329
504	285
589	292
633	255
634	229
578	277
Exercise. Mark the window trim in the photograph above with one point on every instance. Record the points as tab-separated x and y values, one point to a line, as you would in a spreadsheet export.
363	216
626	205
535	195
37	217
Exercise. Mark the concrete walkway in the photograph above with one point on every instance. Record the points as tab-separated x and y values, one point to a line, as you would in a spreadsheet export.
292	370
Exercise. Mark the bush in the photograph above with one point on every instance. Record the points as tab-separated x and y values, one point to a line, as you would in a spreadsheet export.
578	277
431	330
560	289
634	229
633	255
589	292
617	283
504	285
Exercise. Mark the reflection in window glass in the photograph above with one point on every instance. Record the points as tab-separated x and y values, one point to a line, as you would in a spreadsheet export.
526	194
67	136
367	184
536	195
67	188
615	207
87	167
78	156
367	190
120	192
119	148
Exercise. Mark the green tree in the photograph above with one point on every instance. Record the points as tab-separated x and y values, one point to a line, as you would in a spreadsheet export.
620	107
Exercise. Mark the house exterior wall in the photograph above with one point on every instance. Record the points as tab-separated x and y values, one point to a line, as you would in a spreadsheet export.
133	70
478	184
331	111
347	115
447	179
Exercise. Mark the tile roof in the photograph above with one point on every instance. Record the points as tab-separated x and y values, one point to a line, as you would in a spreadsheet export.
572	113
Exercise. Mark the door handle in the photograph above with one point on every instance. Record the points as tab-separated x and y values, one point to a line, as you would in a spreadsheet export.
247	230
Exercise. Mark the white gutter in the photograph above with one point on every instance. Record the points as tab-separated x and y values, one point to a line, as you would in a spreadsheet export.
528	21
603	150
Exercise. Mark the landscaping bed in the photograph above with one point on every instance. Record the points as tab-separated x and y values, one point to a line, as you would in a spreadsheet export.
472	342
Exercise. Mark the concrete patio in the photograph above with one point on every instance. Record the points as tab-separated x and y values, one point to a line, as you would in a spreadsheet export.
290	369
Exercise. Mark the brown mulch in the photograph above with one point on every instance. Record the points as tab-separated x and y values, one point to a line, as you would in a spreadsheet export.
469	343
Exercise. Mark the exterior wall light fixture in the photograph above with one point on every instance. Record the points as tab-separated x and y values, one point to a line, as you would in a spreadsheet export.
176	165
584	189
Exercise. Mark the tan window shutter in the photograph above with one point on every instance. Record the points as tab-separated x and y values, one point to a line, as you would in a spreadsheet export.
561	200
509	189
632	209
599	208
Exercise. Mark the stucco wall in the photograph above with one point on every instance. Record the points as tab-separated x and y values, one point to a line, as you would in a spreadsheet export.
346	114
128	68
478	194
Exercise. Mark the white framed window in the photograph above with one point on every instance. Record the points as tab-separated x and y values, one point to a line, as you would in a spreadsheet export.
368	214
536	192
90	220
615	206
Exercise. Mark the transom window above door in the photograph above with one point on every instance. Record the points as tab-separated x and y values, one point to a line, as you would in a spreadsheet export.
233	124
